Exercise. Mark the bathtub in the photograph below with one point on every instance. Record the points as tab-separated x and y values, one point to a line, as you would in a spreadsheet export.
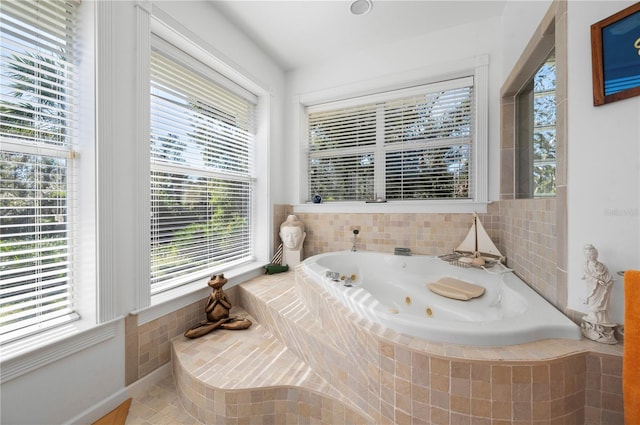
391	290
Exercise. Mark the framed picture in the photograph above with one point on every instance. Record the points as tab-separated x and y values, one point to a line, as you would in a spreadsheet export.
615	56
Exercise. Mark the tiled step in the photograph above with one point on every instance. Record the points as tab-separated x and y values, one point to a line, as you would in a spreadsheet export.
250	377
277	304
309	360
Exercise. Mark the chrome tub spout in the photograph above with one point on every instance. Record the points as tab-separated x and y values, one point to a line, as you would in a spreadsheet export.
355	236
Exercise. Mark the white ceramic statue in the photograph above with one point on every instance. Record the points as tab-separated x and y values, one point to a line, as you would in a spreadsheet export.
596	325
292	234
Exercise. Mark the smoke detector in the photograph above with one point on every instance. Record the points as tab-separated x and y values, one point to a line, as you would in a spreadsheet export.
361	7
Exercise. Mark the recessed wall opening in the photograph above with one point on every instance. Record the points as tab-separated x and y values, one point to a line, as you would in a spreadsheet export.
533	172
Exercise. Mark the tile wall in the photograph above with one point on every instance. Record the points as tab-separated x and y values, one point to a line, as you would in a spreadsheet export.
430	234
524	230
528	232
147	345
604	404
539	258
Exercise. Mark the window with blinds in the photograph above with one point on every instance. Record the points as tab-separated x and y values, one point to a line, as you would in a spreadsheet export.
342	145
409	144
37	128
202	169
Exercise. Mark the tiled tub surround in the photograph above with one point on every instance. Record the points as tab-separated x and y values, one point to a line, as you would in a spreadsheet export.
525	230
251	377
528	233
147	345
404	380
509	223
423	233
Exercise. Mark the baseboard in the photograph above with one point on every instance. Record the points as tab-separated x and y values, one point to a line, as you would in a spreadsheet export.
142	385
138	388
118	416
100	409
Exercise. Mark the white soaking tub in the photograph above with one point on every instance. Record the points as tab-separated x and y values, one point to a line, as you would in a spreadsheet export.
392	290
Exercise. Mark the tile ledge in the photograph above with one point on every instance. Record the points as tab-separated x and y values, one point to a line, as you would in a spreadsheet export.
543	350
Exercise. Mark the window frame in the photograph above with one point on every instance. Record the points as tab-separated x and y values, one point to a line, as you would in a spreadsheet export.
375	108
94	303
549	35
525	131
476	67
43	275
179	60
153	20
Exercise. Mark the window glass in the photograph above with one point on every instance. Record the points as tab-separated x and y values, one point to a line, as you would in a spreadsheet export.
38	103
202	171
398	147
536	133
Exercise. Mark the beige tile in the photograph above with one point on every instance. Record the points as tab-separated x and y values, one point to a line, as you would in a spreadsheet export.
500	374
480	408
500	410
308	360
460	404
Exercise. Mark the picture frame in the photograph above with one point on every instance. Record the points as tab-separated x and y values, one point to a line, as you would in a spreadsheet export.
615	56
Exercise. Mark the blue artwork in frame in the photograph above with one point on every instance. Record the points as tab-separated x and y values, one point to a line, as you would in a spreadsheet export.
615	50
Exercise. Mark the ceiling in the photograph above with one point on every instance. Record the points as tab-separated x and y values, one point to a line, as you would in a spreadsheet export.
303	32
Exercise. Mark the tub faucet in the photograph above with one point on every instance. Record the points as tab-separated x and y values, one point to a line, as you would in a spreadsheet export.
355	235
334	276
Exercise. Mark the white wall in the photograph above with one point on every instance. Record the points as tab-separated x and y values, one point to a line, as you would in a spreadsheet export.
235	48
604	165
92	380
516	31
421	57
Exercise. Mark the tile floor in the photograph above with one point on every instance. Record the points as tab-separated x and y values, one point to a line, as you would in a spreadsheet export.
160	405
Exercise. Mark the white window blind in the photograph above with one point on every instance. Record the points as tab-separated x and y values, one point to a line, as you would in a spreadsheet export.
37	130
342	146
202	171
405	145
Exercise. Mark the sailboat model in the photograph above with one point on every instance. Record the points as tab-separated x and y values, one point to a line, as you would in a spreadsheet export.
476	249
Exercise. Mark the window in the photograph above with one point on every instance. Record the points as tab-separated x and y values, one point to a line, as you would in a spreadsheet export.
202	169
409	144
536	133
38	103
